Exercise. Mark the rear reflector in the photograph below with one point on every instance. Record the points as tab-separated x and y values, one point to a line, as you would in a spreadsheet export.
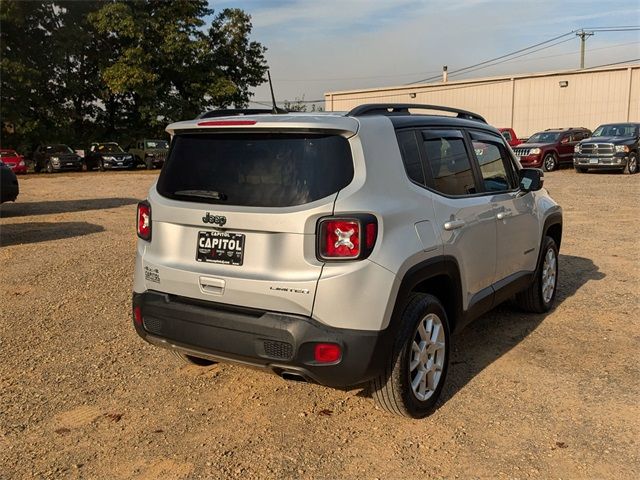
144	221
226	123
327	352
137	315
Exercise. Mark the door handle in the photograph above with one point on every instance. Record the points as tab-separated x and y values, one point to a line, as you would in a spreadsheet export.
453	224
503	215
212	285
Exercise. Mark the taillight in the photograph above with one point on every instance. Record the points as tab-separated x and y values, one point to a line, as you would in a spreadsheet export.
144	221
349	238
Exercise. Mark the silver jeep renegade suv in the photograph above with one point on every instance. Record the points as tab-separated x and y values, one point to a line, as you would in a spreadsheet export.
340	248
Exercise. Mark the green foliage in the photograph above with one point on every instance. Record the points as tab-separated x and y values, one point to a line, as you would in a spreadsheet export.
77	72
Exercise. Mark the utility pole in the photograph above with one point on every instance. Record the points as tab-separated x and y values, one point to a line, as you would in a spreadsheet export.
583	39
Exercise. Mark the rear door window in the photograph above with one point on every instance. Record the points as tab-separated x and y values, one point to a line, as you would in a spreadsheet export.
449	162
256	169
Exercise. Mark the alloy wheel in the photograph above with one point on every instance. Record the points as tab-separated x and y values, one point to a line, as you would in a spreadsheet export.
549	273
427	357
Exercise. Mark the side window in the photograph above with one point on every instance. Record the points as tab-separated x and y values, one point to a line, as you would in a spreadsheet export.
494	163
411	156
449	162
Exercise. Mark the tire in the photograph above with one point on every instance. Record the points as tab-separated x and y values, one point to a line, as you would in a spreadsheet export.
37	168
48	167
85	167
148	163
581	170
392	389
100	166
191	360
535	298
632	164
549	162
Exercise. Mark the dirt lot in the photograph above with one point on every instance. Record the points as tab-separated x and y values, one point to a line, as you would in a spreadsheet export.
528	396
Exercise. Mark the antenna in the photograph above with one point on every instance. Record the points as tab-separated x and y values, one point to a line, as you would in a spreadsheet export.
275	110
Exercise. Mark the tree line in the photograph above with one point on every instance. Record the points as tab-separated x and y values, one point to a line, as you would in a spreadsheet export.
75	72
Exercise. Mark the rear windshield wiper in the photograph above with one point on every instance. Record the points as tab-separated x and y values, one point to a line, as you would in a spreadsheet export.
202	194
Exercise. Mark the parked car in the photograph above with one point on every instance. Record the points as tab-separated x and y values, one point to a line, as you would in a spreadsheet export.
107	156
9	188
510	136
13	160
614	145
340	249
150	153
56	157
550	149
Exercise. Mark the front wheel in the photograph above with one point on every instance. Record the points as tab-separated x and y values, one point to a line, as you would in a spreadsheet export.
550	163
632	164
100	165
148	163
539	296
49	168
414	376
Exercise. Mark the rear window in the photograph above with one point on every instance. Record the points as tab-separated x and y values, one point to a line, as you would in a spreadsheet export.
256	169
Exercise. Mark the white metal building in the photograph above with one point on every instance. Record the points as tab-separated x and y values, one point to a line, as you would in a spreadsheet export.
528	103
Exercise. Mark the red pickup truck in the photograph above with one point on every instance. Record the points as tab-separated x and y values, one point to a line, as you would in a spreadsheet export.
510	136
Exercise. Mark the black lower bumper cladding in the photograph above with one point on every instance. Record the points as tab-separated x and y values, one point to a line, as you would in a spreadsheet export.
274	341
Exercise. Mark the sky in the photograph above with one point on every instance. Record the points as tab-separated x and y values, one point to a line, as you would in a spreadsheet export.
320	46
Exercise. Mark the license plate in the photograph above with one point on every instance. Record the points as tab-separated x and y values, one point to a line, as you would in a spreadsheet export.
220	247
119	163
69	163
593	160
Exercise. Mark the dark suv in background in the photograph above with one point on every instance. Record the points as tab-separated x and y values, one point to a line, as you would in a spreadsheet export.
611	146
550	149
108	155
56	157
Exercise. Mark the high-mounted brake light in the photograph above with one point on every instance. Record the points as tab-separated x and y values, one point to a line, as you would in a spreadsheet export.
226	123
144	221
351	238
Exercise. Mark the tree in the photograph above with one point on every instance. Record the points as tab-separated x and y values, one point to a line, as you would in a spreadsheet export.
115	70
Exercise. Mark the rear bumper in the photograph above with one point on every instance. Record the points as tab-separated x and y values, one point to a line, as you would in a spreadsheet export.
277	342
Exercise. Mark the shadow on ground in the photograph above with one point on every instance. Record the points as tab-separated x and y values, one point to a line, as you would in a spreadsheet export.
19	209
498	331
34	232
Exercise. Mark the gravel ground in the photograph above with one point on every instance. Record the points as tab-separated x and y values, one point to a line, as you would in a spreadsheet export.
528	396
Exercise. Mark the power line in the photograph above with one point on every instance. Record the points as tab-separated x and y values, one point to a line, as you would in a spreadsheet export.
498	58
513	58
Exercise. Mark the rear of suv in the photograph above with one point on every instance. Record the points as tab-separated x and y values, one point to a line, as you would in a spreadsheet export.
550	149
343	248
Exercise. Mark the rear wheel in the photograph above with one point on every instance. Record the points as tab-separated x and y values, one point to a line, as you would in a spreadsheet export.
415	373
539	297
191	360
632	164
550	163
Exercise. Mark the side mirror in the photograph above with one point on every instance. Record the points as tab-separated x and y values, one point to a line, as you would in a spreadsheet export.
531	179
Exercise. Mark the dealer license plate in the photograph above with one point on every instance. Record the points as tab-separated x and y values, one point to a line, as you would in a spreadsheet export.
220	247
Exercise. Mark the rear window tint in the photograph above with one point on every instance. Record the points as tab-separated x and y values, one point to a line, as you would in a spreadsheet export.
256	169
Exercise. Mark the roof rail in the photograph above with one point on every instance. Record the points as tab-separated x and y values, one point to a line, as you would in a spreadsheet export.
238	111
403	109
